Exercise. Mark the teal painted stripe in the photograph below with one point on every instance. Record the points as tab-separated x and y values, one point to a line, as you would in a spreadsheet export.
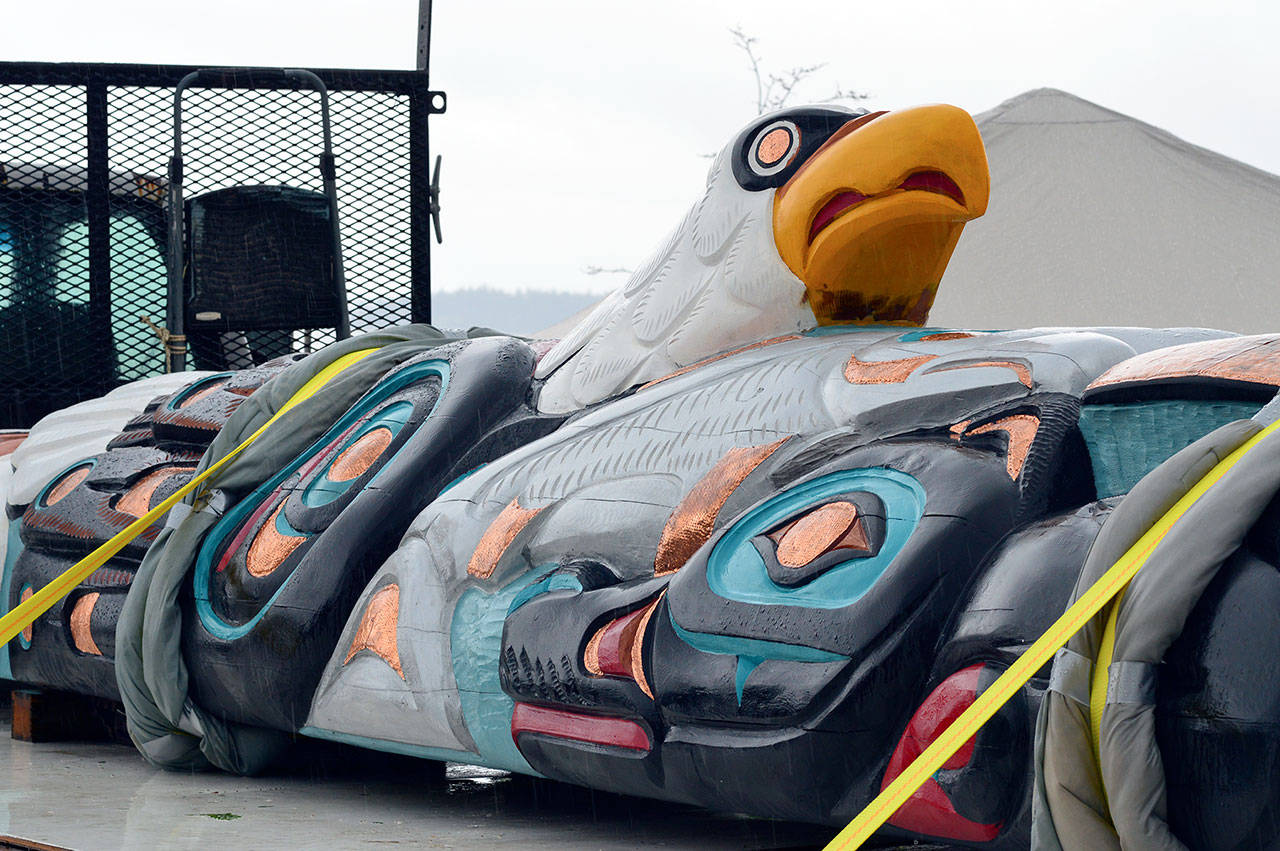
559	582
388	746
322	490
757	649
475	646
464	476
916	335
176	402
746	664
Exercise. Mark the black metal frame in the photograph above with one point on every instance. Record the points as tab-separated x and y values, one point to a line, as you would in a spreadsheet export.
176	340
97	77
100	82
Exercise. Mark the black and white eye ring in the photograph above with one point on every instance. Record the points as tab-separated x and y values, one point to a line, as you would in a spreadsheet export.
773	148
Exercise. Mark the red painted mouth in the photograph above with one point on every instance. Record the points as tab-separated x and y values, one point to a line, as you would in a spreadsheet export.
923	181
579	727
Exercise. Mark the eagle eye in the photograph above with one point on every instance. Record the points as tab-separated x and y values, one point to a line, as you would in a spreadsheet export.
803	548
774	147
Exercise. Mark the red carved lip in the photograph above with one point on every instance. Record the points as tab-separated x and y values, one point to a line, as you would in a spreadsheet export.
921	181
578	727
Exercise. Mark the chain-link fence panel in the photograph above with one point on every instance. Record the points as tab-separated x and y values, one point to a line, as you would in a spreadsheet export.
84	226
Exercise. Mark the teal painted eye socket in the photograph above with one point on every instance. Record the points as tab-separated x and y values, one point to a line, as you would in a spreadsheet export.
825	536
65	482
736	569
199	388
346	467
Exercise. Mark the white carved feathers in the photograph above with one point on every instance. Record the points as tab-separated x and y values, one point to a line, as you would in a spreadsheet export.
716	283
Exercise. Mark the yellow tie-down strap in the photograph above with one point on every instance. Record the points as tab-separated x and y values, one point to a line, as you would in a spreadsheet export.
40	602
1007	685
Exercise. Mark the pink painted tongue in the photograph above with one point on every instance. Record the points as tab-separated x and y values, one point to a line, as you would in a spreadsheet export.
833	208
934	181
928	181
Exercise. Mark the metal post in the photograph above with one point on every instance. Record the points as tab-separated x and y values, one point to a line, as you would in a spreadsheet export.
424	35
175	335
419	207
420	179
98	213
328	173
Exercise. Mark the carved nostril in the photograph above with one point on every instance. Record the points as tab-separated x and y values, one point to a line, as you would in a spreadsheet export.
616	649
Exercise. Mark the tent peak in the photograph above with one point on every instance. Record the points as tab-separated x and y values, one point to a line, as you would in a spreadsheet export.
1049	106
1046	107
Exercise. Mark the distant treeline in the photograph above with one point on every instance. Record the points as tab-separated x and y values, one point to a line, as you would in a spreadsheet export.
517	313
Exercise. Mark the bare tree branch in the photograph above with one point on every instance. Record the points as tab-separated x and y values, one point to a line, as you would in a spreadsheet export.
746	43
845	94
773	91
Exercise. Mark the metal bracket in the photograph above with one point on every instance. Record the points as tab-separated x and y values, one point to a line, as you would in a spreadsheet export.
433	200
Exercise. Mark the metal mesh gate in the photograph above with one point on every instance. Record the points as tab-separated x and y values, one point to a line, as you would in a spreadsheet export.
83	156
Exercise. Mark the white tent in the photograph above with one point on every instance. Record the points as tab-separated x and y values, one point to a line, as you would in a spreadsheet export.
1099	219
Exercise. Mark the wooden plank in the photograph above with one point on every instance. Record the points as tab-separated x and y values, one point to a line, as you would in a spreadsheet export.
7	841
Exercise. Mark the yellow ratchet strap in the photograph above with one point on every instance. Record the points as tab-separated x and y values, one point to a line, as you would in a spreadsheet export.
1007	685
40	602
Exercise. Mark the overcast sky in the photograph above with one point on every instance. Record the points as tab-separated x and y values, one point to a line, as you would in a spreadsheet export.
574	129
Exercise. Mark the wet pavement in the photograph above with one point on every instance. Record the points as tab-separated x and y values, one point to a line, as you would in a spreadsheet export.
96	795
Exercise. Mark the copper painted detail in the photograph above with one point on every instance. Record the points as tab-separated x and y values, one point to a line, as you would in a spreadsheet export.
501	532
774	146
112	576
137	500
201	393
28	631
1255	359
81	615
11	441
591	655
1021	429
942	336
691	523
691	367
883	372
377	630
1019	369
617	648
270	548
360	456
637	649
66	485
610	648
835	525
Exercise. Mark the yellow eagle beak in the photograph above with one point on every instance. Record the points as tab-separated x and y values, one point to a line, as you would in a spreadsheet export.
869	222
